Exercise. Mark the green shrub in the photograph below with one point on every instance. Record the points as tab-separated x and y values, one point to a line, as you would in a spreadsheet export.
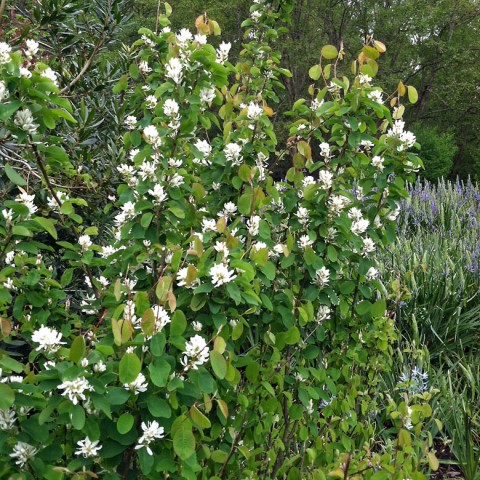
220	324
438	150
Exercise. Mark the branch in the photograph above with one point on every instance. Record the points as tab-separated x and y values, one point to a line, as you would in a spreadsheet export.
2	7
86	66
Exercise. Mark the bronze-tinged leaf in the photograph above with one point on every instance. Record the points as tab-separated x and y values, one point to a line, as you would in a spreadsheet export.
223	407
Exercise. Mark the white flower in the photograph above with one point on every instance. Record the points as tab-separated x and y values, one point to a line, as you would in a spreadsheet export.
253	225
151	135
197	326
254	111
377	162
130	122
196	352
7	419
51	75
228	210
23	452
182	279
397	128
176	180
4	94
325	179
87	448
99	367
25	72
209	225
408	139
74	389
48	339
52	202
151	101
233	152
337	203
184	37
8	214
308	180
364	79
259	246
151	431
359	226
143	67
325	150
207	95
5	50
173	70
9	285
32	48
24	120
304	242
85	242
323	313
316	104
355	214
393	215
368	246
204	147
221	274
366	144
200	39
222	52
84	362
376	96
9	257
158	193
255	15
331	234
170	107
138	385
221	247
372	273
161	318
303	215
27	200
322	277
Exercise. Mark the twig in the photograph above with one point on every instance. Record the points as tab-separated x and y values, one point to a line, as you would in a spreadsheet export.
2	7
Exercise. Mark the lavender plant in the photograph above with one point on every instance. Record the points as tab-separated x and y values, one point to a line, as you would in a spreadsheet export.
228	325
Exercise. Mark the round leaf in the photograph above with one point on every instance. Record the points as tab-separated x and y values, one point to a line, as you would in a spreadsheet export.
125	423
329	52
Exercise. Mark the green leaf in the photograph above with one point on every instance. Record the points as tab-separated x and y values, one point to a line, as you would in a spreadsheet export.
48	225
77	350
184	440
22	231
315	72
8	109
219	364
178	323
363	308
412	94
433	461
329	52
129	368
245	203
77	417
198	418
378	308
125	423
14	176
7	396
292	336
159	372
